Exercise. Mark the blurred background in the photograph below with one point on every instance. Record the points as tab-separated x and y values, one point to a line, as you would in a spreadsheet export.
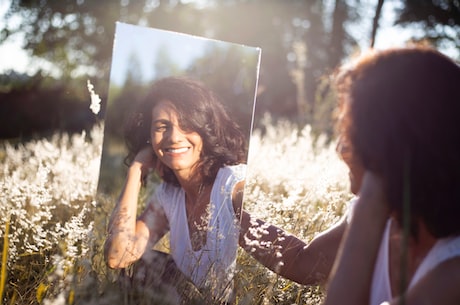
50	49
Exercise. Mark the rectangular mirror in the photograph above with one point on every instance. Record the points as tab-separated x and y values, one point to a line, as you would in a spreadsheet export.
146	64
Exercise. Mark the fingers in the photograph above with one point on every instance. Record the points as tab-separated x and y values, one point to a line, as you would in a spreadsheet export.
372	194
146	157
372	185
146	160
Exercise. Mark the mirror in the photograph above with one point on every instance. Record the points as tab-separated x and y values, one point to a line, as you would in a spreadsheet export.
144	56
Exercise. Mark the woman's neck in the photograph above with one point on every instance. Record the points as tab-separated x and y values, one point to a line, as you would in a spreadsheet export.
416	251
193	186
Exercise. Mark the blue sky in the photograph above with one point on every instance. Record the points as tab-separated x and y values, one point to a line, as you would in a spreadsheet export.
146	42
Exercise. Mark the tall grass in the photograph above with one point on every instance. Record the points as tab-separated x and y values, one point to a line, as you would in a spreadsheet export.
4	259
47	192
297	182
56	230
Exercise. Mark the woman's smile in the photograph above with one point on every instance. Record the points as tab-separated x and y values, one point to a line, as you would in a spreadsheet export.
179	150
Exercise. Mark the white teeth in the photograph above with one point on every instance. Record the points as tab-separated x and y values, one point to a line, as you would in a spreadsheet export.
177	150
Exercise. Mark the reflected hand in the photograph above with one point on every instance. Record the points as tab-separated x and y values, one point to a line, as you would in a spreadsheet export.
145	158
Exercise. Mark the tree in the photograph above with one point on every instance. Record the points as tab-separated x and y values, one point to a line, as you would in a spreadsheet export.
77	35
375	21
440	20
66	33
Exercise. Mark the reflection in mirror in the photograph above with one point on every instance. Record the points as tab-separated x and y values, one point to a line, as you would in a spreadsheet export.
178	122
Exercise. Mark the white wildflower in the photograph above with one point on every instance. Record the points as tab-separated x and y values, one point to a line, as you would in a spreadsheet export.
59	300
95	105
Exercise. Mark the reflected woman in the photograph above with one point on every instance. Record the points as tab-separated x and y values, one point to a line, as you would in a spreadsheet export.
182	131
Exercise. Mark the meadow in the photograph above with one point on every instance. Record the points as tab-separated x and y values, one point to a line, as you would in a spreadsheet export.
53	225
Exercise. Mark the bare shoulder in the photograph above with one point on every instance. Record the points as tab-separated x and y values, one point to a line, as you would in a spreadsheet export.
440	286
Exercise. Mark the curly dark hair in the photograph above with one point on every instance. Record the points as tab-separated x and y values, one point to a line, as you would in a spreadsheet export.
400	112
199	110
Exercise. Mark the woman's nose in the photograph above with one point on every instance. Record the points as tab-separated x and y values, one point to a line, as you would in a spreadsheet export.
175	134
343	148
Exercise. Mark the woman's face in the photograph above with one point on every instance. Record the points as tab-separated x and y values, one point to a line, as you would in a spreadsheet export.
177	149
356	170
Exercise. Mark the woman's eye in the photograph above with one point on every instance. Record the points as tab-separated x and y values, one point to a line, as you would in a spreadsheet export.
160	128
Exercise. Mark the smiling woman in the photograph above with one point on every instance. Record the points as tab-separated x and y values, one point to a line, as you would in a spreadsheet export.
182	131
189	148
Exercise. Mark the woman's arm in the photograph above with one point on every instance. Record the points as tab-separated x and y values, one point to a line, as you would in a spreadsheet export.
352	272
128	237
289	256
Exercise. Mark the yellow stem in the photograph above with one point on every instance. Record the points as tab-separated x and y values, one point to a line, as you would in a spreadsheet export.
4	260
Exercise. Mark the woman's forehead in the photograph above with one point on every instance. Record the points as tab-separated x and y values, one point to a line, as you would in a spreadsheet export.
164	108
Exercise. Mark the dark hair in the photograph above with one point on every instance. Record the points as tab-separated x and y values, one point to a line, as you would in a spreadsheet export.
400	112
199	110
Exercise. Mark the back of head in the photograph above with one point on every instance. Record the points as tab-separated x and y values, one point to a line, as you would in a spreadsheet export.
401	114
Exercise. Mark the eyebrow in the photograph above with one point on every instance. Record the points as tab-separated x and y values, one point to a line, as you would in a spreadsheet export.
161	121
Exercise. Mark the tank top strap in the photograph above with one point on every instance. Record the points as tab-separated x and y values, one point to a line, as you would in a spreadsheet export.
381	287
443	250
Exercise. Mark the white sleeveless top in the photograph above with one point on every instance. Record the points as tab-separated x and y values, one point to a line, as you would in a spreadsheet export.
443	250
213	265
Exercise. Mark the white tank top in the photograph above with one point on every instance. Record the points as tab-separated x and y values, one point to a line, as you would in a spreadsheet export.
213	265
443	250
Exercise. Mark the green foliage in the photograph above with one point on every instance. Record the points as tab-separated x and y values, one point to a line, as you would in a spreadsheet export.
41	105
230	72
440	20
67	33
76	36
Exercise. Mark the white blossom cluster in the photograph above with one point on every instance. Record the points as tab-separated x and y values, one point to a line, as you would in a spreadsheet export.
95	105
47	188
295	181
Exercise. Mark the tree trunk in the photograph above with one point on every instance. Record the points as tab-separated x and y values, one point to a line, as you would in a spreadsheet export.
338	34
375	23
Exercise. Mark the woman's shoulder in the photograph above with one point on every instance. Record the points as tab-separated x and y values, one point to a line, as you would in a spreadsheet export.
228	176
439	286
445	249
238	171
166	191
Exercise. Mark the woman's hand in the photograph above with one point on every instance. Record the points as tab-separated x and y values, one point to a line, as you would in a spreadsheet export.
352	273
146	161
372	194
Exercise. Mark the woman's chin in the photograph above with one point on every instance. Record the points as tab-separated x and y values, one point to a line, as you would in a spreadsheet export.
354	188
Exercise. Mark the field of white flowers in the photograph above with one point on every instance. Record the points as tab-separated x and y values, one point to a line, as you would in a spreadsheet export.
52	226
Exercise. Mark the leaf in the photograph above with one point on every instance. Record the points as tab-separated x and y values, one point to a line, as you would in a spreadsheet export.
41	291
